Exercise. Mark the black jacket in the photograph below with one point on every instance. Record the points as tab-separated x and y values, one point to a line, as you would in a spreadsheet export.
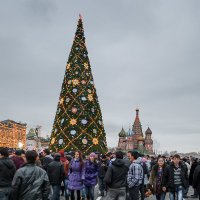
168	177
45	162
196	178
30	183
194	165
7	172
103	166
116	174
55	171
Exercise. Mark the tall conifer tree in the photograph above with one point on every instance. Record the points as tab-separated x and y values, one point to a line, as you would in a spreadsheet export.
78	123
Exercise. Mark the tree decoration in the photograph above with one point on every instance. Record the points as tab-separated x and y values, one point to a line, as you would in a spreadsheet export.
73	122
74	110
86	65
84	141
61	101
95	141
78	105
90	97
75	82
68	66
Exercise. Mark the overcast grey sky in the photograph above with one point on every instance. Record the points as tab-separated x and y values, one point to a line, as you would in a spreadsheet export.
142	53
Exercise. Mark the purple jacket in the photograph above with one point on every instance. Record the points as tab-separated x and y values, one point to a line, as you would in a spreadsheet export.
91	173
18	161
76	175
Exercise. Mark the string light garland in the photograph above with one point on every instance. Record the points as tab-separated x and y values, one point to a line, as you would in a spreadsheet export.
12	134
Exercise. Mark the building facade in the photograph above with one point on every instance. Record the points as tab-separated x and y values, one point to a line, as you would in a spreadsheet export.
134	138
12	134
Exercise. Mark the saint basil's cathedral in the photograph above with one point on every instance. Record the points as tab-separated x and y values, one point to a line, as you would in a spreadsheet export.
134	139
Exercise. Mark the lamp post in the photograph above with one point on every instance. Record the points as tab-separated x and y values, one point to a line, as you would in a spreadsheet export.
20	145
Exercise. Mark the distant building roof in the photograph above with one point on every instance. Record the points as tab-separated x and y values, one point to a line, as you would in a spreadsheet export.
8	121
130	132
148	131
122	133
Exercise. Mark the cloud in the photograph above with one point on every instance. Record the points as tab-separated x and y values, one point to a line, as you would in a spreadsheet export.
142	53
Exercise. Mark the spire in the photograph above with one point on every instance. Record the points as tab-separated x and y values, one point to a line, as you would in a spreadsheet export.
148	131
80	17
137	112
137	127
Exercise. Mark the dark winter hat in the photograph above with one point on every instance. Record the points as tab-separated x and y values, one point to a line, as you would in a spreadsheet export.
103	156
18	152
57	156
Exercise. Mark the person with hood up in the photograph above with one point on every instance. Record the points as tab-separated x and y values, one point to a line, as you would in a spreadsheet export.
115	178
91	173
30	182
135	176
7	171
55	171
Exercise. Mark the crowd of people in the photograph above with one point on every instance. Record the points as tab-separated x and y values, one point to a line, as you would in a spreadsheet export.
131	176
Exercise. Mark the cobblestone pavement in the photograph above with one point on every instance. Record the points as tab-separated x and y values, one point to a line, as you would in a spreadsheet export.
97	197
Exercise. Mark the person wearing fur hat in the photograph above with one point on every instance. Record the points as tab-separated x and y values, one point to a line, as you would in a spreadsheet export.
91	173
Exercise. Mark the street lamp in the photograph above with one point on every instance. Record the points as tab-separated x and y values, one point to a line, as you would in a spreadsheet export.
20	145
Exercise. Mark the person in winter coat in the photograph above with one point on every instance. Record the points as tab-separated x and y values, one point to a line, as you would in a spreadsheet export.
76	175
135	176
156	179
56	174
64	186
175	178
103	166
142	161
47	159
115	178
7	171
193	167
17	159
91	173
30	182
196	179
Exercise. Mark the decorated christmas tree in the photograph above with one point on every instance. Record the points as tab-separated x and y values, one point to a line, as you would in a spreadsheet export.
78	123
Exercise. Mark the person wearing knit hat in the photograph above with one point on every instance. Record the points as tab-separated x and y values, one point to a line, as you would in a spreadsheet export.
93	155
